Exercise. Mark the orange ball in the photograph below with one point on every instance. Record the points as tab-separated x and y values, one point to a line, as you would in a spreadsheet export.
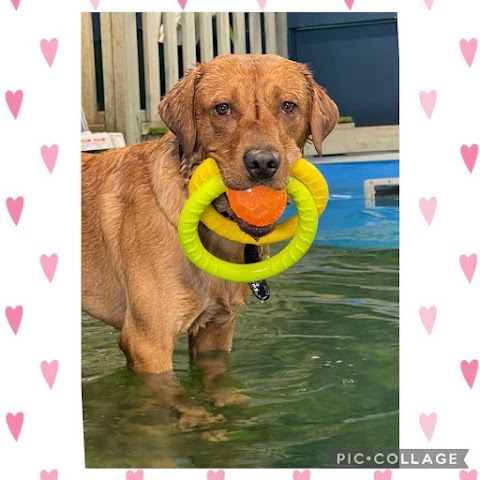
259	206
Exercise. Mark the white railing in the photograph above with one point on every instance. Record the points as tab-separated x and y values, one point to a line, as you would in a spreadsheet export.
176	31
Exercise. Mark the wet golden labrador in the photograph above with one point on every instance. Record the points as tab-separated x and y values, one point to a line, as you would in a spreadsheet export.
253	114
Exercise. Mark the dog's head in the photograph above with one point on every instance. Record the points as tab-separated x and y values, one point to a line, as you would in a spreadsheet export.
251	113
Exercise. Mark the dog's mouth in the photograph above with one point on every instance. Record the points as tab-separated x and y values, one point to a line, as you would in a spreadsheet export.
253	230
222	205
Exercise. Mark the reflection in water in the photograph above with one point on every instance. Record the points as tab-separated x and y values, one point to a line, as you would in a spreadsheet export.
319	362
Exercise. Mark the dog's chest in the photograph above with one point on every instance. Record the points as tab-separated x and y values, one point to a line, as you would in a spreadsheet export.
222	302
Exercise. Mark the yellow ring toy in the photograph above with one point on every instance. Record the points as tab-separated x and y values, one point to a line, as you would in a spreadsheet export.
208	185
301	169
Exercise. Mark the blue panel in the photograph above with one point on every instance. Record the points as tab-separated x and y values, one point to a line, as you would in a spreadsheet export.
296	20
355	57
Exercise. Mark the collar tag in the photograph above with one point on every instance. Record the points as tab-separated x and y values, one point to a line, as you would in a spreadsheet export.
259	288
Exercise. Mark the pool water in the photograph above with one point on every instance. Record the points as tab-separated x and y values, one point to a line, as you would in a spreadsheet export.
319	360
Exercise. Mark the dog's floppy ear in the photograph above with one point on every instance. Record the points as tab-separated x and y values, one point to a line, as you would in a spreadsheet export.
177	110
323	113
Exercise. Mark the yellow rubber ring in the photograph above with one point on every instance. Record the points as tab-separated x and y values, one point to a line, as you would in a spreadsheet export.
211	218
245	273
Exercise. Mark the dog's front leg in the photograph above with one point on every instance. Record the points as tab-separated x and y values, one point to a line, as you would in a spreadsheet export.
148	346
147	342
209	353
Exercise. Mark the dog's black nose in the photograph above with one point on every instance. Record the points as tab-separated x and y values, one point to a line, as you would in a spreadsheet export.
261	163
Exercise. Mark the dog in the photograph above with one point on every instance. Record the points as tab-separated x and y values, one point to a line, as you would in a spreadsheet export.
253	114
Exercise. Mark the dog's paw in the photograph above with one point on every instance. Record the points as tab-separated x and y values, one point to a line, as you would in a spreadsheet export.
225	397
215	436
195	417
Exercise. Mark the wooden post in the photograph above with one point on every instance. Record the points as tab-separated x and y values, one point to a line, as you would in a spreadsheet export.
255	32
206	37
282	34
89	92
126	78
107	63
270	32
151	26
189	41
170	49
239	35
223	33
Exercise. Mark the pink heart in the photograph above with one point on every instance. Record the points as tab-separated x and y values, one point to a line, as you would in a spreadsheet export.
428	101
469	370
131	475
468	48
15	423
15	207
14	101
305	475
349	3
428	423
49	371
44	475
428	3
468	264
15	3
95	3
386	475
14	317
428	316
49	49
262	3
428	208
182	3
50	155
471	475
49	265
469	155
211	475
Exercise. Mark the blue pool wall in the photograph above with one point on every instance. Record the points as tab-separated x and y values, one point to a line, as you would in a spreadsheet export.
347	221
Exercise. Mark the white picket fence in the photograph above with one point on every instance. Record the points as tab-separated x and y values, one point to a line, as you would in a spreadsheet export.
122	112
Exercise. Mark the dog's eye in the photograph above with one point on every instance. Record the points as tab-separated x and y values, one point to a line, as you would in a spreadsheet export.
289	107
223	109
